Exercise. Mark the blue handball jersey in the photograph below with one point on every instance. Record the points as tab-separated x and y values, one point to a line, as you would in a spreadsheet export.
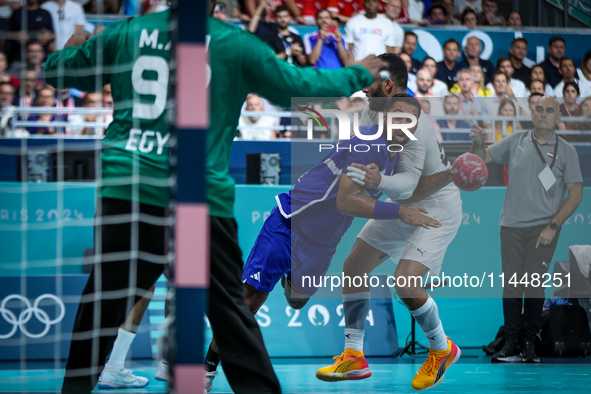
311	204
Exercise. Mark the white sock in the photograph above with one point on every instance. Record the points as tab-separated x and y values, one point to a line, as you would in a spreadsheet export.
427	316
354	339
120	348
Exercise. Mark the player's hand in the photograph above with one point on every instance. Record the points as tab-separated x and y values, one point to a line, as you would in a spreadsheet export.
414	216
300	19
365	176
373	64
478	134
77	39
546	237
324	34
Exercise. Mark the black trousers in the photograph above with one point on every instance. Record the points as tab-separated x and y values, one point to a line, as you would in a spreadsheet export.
242	351
111	280
520	257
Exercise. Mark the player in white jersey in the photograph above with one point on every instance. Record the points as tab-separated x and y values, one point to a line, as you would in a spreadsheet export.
417	252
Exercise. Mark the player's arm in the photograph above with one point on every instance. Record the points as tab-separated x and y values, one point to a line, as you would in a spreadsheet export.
478	148
72	67
400	185
428	185
352	201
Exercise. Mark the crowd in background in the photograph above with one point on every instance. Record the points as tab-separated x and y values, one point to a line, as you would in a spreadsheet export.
461	84
29	31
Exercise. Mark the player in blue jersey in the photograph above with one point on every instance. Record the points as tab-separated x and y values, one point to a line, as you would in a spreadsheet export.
300	236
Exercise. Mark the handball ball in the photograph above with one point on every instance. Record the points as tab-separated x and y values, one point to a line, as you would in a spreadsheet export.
469	172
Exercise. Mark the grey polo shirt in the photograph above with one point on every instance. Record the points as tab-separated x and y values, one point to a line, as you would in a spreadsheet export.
527	203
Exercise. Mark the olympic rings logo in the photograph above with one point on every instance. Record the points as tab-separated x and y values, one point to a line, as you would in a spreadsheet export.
27	314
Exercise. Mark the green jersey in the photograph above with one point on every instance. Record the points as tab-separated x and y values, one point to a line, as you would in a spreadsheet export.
132	56
241	64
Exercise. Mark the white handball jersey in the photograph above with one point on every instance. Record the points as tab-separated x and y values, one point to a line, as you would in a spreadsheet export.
426	153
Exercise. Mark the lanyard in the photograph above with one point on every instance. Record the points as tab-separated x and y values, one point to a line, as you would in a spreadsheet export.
568	112
535	142
462	106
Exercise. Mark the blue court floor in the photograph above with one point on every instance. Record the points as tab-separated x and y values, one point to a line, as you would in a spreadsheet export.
472	374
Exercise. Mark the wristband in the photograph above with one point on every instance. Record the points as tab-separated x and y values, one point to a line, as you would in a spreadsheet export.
385	210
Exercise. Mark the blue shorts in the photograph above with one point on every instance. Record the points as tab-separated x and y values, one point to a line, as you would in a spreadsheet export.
278	251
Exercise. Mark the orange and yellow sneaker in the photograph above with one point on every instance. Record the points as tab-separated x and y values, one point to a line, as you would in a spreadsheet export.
351	365
437	364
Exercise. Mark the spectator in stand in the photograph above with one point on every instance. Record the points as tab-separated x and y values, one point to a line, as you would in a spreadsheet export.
531	101
463	5
309	8
469	19
4	75
501	89
426	91
28	89
397	12
254	103
371	33
556	48
569	108
470	104
451	106
538	72
6	9
230	7
39	26
473	50
505	66
412	79
251	5
585	113
437	15
569	74
69	98
287	45
488	16
107	96
220	11
537	86
479	89
46	99
426	108
67	17
514	19
35	57
449	8
7	96
584	72
409	47
518	51
416	12
506	108
261	24
77	121
448	68
343	10
326	49
439	87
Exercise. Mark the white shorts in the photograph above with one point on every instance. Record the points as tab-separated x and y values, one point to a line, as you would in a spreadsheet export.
400	240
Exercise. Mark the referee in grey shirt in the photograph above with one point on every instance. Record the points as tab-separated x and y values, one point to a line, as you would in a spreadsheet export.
542	167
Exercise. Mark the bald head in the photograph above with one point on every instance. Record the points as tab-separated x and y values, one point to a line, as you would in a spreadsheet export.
546	115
